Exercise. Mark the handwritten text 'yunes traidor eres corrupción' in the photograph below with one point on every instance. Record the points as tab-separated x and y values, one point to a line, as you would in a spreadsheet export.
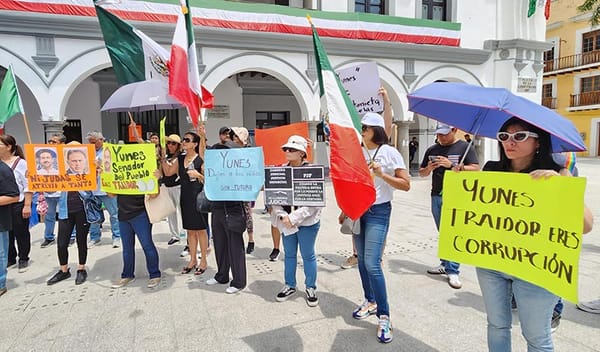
501	225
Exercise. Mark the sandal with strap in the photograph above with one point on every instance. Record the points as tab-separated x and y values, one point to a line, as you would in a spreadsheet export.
200	271
187	270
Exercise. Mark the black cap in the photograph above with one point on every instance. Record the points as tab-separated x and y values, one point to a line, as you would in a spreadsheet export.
224	129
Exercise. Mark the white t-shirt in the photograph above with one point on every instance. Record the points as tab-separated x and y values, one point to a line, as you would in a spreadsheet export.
390	160
20	171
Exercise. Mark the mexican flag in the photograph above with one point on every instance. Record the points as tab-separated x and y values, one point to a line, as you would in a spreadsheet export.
135	57
10	99
352	181
184	80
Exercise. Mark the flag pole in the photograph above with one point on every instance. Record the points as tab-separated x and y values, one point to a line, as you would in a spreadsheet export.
26	127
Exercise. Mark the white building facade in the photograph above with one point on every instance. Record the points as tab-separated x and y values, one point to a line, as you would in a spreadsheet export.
263	78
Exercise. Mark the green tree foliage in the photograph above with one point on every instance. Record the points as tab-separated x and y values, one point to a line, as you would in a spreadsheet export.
591	6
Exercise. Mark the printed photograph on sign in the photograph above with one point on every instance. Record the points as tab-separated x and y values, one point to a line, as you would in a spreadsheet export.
46	161
362	85
77	161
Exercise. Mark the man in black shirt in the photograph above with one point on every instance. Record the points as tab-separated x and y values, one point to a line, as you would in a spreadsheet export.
9	193
446	154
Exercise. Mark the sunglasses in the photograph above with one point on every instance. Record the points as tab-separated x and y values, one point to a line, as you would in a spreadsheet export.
52	142
518	137
289	150
187	140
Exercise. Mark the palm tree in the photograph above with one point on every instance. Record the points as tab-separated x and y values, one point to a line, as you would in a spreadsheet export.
594	7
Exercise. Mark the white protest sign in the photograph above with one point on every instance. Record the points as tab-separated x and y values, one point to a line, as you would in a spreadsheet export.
362	85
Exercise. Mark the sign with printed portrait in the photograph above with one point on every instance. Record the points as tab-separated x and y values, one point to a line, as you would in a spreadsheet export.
63	167
128	168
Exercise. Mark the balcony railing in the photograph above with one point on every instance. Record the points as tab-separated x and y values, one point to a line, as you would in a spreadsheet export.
572	61
583	99
549	102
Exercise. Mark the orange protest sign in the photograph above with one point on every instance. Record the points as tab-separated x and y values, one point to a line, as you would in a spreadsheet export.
60	167
132	135
273	138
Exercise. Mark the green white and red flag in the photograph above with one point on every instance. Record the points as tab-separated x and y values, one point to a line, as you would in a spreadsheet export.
352	181
184	80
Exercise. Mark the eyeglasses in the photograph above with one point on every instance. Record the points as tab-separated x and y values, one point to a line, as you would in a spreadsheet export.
289	150
187	140
518	137
173	143
52	142
365	127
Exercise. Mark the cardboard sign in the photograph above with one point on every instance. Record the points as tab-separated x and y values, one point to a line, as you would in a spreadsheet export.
233	174
61	167
297	186
512	223
362	85
128	168
271	139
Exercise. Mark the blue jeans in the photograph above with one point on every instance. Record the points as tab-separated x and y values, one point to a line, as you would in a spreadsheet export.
3	257
535	311
374	225
50	220
141	226
305	238
110	203
436	211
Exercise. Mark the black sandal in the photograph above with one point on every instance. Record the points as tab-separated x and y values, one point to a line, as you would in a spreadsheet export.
187	270
199	271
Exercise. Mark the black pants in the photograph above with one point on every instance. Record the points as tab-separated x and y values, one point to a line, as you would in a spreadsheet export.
65	228
20	233
229	244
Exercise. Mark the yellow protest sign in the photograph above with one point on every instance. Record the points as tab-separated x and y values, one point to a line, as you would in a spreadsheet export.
512	223
128	169
63	167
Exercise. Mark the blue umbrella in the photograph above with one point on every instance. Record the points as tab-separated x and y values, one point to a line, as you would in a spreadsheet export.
482	111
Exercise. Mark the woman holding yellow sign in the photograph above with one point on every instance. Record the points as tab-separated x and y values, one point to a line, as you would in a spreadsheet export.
524	148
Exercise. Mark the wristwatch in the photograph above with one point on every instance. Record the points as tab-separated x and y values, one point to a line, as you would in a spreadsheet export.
453	165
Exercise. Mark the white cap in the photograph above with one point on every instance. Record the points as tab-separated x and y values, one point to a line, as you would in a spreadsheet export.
296	142
442	128
373	119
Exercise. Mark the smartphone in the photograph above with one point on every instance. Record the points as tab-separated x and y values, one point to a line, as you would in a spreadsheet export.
433	158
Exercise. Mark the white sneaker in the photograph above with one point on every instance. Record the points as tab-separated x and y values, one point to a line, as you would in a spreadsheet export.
116	243
454	281
232	289
438	270
93	243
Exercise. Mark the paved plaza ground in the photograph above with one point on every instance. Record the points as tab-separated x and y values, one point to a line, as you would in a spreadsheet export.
184	314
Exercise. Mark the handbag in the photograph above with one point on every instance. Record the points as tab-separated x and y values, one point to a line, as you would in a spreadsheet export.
92	205
203	204
159	207
350	227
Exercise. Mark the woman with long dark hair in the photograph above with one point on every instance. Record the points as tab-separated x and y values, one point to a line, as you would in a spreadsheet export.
173	184
524	148
189	167
389	173
12	154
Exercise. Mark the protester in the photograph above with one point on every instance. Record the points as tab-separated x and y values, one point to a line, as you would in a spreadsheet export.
9	194
173	185
52	201
224	137
12	155
110	203
189	167
299	226
524	148
71	215
448	153
133	220
389	172
228	223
